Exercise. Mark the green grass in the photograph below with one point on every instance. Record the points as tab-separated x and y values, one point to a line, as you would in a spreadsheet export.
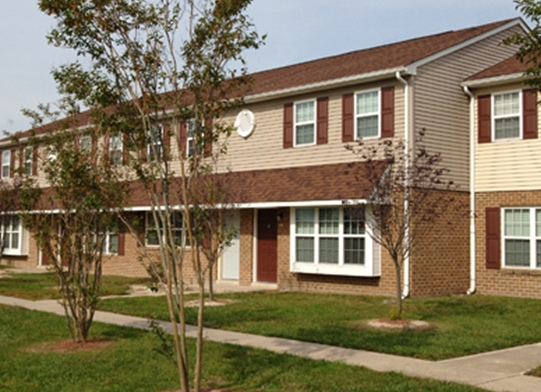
45	285
132	363
462	325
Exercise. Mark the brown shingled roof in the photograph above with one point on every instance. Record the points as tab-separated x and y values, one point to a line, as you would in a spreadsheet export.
349	64
341	181
506	67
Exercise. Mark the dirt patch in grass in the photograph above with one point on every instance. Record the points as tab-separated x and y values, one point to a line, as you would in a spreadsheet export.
216	302
69	346
399	325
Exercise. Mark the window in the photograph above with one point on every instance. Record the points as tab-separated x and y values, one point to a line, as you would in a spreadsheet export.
331	240
110	244
85	143
152	231
11	231
507	118
155	146
522	237
28	161
367	112
115	149
6	162
193	137
305	123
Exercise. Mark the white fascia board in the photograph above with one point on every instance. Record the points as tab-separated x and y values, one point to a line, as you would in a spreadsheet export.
495	80
388	73
516	22
270	204
26	138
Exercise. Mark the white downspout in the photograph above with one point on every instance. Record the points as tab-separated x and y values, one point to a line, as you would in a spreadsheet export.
406	292
472	288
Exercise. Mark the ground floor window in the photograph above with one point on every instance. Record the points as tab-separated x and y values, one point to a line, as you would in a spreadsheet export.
154	231
331	240
522	237
11	230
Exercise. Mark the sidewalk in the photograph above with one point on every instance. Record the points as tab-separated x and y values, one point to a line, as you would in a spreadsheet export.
496	371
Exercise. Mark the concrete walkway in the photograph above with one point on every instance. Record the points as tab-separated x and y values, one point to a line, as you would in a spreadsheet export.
496	371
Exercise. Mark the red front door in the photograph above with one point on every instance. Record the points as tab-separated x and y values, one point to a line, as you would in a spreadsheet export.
267	246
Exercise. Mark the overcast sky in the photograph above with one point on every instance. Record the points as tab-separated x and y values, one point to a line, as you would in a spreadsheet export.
297	30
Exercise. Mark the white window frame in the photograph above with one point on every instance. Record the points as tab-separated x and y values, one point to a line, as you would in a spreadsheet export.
299	124
155	144
109	234
114	150
376	113
370	268
6	167
494	117
7	230
150	226
28	161
533	238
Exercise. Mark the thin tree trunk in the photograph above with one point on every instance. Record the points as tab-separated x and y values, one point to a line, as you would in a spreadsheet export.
398	290
211	284
199	353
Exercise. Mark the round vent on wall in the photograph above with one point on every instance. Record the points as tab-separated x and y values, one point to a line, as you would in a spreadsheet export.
245	123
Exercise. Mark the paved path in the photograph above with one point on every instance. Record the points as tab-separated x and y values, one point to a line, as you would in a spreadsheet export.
496	371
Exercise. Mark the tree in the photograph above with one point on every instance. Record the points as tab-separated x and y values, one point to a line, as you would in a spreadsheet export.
529	44
140	84
410	199
73	219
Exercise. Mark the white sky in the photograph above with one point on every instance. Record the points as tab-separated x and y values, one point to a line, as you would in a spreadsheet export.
297	30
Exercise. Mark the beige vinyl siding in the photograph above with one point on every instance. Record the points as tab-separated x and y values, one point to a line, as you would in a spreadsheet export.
264	148
507	165
442	108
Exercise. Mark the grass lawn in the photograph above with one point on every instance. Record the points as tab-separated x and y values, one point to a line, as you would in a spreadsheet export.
462	325
45	285
131	363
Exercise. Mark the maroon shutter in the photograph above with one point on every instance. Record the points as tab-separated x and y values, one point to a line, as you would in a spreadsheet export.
387	112
124	148
166	141
347	118
484	120
35	161
208	138
182	139
121	243
94	148
492	218
529	112
288	125
22	156
322	120
12	163
144	151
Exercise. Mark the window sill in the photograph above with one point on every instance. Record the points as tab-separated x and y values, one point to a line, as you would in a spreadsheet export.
14	253
331	269
514	271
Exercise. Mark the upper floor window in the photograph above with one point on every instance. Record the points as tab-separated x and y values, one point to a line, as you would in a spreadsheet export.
115	149
6	163
305	123
367	112
28	161
85	143
507	115
155	144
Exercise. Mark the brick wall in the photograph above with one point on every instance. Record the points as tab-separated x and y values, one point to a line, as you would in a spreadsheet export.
246	247
440	263
506	281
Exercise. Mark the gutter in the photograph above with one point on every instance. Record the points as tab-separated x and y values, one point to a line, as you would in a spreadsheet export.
473	281
406	291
